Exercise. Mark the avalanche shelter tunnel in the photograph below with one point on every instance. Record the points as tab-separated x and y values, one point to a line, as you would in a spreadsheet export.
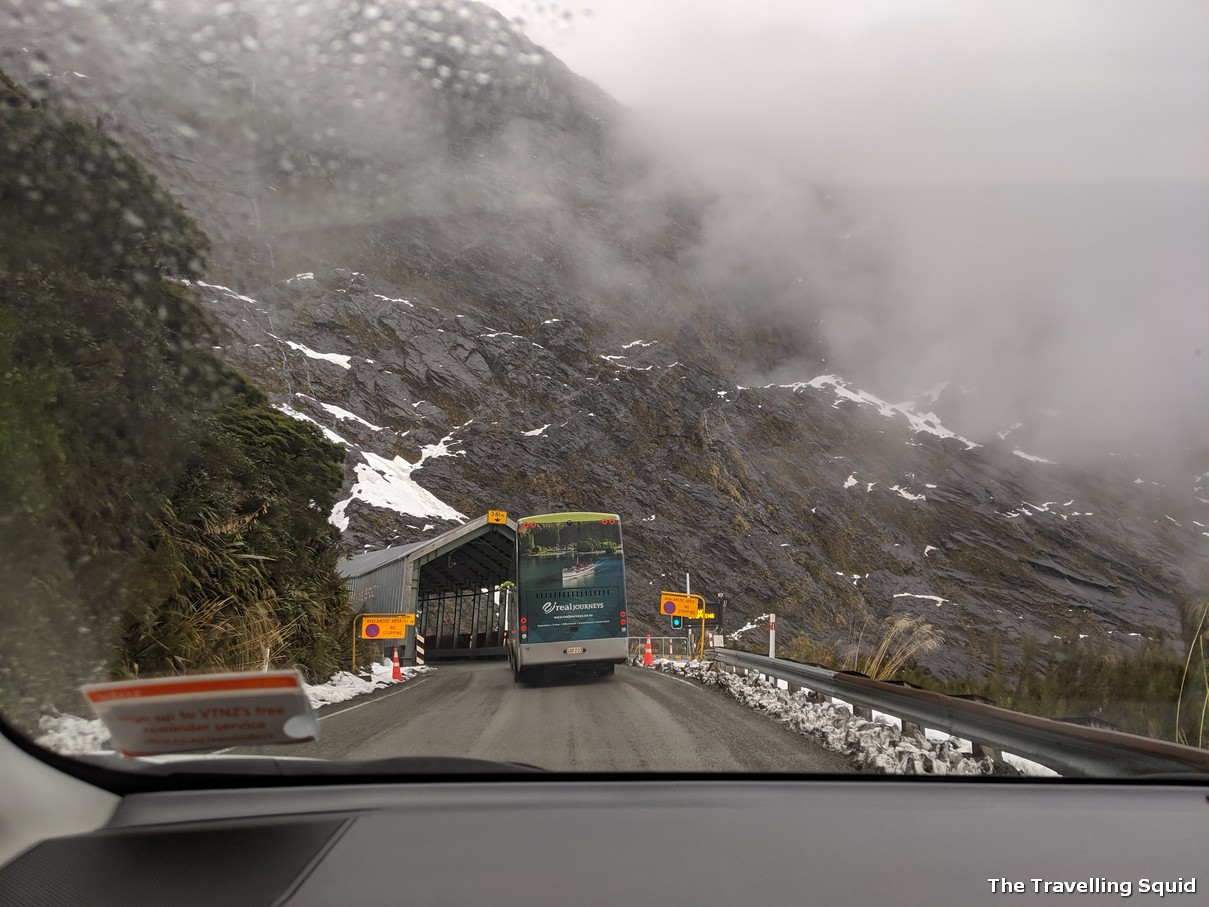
448	582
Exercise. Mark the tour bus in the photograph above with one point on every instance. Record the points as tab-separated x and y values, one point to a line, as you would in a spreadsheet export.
569	609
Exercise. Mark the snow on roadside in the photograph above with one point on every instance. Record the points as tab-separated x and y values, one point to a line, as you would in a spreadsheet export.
1029	767
72	735
344	686
874	746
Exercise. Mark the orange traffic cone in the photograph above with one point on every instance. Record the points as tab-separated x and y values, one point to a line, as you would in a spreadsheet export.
395	673
647	658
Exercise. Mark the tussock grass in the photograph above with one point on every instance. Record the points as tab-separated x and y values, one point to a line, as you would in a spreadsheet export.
879	649
1194	681
1155	689
897	641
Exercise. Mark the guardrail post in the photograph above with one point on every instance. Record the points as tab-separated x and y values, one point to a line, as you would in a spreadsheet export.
861	711
978	751
1066	749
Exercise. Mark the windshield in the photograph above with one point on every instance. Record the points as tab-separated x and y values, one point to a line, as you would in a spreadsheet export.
703	386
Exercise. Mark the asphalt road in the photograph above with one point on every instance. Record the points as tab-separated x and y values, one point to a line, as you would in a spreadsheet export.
636	720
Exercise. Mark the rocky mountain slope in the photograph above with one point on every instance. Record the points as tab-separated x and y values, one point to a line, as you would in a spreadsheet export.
436	242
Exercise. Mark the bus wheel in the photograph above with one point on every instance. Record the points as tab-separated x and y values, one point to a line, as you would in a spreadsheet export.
606	671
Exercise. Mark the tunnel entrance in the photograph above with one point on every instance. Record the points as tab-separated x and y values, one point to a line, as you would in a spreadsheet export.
450	582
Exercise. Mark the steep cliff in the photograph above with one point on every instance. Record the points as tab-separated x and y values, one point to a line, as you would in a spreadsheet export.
461	260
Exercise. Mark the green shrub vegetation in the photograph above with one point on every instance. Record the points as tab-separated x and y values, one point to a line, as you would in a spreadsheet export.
158	515
1155	688
1152	689
1192	701
238	571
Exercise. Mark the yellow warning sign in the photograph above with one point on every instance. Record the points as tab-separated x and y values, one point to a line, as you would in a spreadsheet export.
386	626
681	604
497	516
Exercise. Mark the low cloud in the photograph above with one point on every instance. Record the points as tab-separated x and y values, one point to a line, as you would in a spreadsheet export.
1010	197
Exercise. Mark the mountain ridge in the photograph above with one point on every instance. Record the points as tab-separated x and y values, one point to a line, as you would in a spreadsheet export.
480	302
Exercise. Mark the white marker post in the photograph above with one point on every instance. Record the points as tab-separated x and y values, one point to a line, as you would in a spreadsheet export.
688	590
772	636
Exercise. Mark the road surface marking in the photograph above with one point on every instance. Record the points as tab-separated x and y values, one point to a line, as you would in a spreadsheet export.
681	680
359	705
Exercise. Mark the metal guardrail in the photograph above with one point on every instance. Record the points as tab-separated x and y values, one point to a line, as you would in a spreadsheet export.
1066	748
661	646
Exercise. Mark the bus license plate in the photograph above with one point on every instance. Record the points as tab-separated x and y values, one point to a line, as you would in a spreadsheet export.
574	650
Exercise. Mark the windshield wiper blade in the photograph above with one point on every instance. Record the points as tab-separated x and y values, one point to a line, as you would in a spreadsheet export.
416	765
296	766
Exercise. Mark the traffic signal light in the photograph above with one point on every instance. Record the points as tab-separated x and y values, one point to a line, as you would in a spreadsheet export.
677	622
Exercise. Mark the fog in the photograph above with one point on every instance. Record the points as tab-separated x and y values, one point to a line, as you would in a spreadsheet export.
1012	197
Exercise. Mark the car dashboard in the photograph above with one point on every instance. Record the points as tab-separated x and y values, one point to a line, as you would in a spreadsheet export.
558	839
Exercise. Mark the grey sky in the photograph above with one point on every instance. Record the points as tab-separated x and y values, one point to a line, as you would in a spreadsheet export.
1024	187
1103	89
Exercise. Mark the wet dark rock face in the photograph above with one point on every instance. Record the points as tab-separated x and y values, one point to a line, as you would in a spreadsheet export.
510	276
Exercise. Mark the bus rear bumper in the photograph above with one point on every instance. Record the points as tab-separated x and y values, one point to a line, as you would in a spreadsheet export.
596	653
